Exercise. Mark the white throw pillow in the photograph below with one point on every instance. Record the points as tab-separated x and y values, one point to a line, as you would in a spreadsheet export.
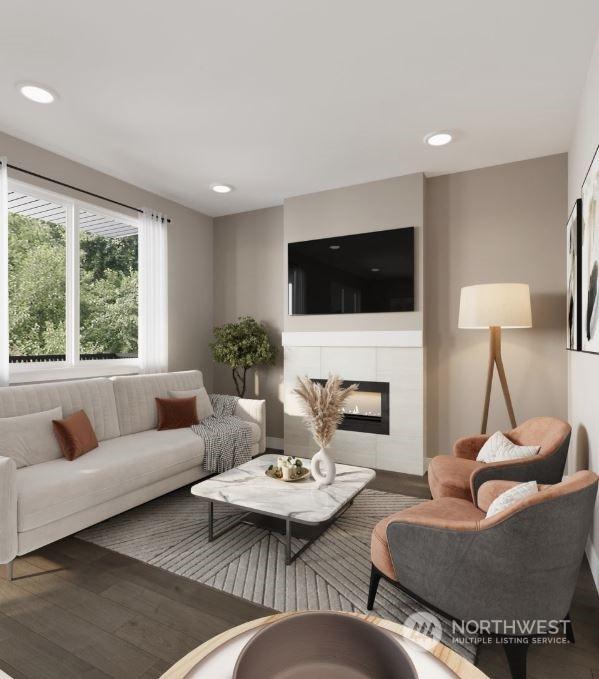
511	496
30	439
203	405
498	448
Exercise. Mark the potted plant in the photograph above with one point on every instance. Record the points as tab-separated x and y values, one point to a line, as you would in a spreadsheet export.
242	345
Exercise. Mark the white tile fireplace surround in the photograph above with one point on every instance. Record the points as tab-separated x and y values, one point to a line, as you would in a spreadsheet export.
395	357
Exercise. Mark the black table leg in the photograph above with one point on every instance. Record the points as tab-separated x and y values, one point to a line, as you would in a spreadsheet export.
288	557
212	535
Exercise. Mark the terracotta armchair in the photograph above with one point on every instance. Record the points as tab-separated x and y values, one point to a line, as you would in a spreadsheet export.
460	475
520	565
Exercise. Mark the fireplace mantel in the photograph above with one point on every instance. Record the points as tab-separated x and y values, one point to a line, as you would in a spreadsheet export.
357	338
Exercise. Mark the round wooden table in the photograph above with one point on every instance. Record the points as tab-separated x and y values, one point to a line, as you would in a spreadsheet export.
215	659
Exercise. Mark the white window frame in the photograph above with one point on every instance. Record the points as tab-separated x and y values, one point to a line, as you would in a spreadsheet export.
73	367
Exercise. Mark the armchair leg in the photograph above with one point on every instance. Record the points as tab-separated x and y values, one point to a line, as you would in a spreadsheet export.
516	650
375	578
570	630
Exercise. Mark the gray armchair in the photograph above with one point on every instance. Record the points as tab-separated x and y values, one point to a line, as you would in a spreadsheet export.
519	565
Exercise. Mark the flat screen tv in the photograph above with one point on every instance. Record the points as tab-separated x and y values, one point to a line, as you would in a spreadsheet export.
362	273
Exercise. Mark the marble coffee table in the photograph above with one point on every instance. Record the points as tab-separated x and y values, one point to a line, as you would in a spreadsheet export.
299	502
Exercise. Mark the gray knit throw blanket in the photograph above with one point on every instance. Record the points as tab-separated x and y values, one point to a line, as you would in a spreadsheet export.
227	439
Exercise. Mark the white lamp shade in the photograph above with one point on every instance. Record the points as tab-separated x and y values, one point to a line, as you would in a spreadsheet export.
496	304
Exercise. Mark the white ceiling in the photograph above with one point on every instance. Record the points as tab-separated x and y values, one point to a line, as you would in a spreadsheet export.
282	97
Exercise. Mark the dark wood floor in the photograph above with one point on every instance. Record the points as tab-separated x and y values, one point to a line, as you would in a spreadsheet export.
77	611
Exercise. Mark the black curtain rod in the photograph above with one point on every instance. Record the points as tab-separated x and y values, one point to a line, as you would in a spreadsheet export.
76	188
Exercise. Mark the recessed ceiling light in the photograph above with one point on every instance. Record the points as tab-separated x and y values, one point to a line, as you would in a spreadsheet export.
37	93
334	247
438	138
375	270
221	188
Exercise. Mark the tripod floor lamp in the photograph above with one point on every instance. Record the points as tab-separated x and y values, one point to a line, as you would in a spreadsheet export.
495	306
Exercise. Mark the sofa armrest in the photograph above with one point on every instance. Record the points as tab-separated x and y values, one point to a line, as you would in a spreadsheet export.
254	410
8	510
469	447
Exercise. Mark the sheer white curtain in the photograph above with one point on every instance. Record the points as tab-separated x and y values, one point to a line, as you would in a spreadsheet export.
4	373
153	293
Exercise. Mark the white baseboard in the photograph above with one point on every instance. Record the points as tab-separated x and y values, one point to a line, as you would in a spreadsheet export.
593	558
274	442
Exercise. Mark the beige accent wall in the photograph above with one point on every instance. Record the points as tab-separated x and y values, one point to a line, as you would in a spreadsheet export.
375	206
248	274
494	225
583	368
497	224
189	246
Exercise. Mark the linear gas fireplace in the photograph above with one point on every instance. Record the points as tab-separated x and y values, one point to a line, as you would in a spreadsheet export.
385	421
367	409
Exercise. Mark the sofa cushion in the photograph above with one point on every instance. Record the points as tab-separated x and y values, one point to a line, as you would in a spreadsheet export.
75	435
176	413
52	490
511	497
498	448
449	476
29	439
135	396
95	396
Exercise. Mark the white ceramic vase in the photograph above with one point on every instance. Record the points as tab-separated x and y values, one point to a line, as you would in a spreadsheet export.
322	468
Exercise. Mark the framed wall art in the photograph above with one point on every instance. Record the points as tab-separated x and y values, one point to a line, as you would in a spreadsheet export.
574	278
590	258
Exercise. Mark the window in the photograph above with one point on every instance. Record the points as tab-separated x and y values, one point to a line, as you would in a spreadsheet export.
73	281
36	278
108	287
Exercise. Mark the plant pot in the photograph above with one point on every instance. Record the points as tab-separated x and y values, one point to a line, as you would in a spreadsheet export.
322	468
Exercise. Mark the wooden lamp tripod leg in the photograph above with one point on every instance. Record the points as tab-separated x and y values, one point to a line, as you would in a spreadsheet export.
495	359
503	380
483	428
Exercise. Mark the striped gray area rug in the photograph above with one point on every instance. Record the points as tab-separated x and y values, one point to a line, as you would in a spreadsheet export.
171	532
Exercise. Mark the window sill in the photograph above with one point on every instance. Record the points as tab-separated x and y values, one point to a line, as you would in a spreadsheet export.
55	372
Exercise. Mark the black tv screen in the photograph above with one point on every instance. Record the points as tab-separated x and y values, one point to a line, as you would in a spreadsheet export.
363	273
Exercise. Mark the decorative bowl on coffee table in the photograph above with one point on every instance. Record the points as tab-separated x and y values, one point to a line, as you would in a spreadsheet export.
272	473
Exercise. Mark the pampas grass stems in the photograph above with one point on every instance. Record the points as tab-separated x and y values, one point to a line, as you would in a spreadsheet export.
322	406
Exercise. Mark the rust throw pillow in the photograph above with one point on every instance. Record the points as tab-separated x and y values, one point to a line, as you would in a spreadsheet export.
176	413
75	435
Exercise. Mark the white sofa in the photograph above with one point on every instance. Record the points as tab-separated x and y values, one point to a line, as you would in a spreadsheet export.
134	462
